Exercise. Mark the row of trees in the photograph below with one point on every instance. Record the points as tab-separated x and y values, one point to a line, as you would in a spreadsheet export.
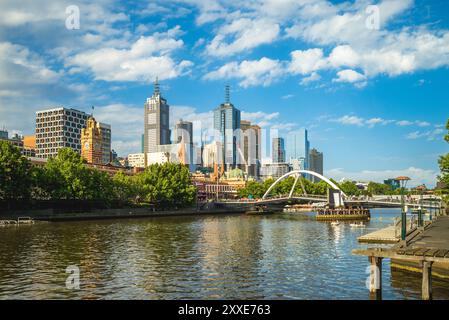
257	189
66	177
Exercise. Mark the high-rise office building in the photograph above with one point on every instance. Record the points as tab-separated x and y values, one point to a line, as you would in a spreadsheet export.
156	122
58	128
105	142
316	163
92	142
184	135
251	147
227	132
297	146
278	150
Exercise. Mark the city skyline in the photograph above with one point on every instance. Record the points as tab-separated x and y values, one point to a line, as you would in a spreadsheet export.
373	117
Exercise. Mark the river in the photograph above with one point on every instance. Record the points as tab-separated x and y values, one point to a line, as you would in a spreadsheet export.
283	256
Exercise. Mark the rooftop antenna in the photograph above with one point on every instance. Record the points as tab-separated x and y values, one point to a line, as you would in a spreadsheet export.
156	87
227	96
92	113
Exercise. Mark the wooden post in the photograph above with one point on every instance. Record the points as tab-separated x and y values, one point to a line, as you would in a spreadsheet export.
426	280
375	283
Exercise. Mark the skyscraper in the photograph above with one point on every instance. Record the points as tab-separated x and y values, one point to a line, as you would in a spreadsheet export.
227	132
278	150
156	122
298	146
184	135
105	142
316	163
251	147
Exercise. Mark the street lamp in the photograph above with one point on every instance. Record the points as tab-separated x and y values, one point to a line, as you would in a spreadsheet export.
403	182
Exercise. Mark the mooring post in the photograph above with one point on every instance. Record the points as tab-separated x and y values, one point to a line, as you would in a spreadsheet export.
375	282
426	280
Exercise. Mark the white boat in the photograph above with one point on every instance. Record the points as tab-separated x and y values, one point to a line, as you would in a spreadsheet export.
335	223
358	225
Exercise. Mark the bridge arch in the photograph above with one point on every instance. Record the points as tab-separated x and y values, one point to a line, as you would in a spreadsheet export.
298	174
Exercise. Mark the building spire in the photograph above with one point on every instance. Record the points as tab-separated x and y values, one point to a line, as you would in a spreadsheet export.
156	87
227	95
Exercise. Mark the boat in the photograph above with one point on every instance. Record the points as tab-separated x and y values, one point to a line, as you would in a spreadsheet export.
259	211
357	225
335	223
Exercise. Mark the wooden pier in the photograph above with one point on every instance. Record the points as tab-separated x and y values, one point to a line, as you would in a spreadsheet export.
425	247
335	214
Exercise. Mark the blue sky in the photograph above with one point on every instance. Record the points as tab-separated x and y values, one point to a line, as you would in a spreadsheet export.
374	96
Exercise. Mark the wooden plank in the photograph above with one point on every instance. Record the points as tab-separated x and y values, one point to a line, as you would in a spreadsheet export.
431	252
411	251
441	253
421	251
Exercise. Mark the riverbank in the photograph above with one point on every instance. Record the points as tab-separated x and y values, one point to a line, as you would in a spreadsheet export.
122	213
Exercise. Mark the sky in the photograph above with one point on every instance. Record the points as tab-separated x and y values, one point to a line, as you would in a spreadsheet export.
368	79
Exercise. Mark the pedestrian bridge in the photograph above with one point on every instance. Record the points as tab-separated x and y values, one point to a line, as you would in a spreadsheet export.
335	196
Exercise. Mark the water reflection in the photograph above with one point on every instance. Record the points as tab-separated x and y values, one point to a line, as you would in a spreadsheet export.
285	256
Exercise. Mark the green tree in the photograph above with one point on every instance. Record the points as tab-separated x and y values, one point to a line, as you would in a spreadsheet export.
167	185
253	188
375	188
350	188
125	188
15	173
66	176
443	162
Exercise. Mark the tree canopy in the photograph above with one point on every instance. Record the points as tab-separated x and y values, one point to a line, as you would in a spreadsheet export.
443	162
15	173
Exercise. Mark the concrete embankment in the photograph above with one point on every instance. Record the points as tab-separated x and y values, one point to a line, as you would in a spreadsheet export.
122	213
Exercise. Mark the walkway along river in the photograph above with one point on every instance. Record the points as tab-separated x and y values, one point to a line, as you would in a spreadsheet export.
283	256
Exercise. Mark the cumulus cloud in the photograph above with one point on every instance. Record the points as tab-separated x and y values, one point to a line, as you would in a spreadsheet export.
242	34
372	122
250	72
350	76
147	58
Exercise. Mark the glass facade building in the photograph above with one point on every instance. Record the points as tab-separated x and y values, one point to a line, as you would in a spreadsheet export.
227	133
298	146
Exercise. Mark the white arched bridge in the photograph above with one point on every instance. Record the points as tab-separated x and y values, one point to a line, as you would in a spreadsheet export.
336	196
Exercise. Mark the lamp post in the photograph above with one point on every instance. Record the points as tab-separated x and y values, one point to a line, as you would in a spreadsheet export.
403	182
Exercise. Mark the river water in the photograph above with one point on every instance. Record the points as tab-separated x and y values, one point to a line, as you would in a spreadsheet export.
283	256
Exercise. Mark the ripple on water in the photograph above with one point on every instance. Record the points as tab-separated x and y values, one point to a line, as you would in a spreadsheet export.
223	257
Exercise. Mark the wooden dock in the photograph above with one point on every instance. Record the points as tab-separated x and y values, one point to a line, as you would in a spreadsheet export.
385	235
425	246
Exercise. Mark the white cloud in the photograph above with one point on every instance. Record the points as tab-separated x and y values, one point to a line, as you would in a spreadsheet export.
430	135
306	61
372	122
245	34
350	76
404	123
417	175
349	120
251	72
313	77
20	66
147	58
